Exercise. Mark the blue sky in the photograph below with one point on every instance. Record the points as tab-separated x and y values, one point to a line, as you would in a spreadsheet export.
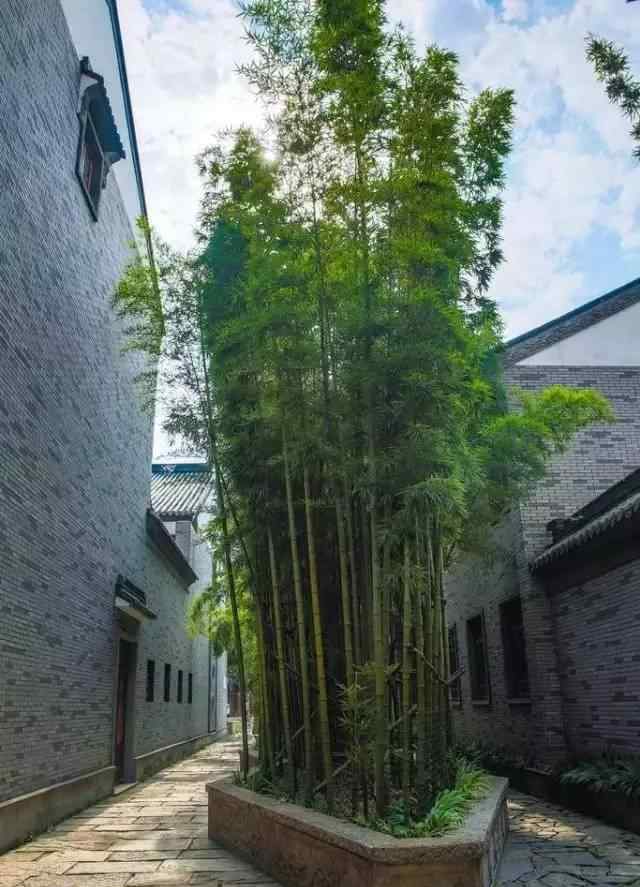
572	226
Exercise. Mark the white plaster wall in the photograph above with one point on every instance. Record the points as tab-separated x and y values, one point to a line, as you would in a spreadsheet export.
614	341
201	562
91	30
219	701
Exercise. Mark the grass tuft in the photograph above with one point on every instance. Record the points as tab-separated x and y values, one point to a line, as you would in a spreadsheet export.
448	812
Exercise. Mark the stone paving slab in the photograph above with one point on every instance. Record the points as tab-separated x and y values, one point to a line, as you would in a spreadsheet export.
153	835
553	847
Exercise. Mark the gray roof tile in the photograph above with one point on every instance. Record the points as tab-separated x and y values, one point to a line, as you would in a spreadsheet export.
180	492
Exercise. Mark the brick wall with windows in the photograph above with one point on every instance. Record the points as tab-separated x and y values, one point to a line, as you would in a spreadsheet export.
599	457
476	588
75	443
597	625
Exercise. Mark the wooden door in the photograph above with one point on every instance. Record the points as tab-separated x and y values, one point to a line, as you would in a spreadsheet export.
124	665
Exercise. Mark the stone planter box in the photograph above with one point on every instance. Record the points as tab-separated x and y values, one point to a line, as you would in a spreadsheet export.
303	848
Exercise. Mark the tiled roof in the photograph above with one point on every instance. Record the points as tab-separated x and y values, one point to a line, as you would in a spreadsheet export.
592	521
180	492
569	324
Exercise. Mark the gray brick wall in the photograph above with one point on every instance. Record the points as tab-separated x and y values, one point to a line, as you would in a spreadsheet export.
74	481
477	585
164	640
599	457
600	661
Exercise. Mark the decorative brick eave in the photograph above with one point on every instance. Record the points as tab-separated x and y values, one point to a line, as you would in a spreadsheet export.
600	529
159	534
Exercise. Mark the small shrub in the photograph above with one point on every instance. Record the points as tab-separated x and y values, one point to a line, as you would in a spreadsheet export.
607	774
488	756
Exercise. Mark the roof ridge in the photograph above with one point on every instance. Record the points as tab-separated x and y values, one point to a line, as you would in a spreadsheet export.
563	324
595	526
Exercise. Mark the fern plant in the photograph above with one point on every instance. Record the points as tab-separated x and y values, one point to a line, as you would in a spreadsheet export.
607	774
448	812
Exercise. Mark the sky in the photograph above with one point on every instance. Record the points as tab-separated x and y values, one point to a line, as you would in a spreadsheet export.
572	216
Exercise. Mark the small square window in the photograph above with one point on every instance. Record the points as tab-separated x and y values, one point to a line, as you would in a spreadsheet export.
455	691
151	679
91	162
167	683
190	689
516	670
180	682
478	664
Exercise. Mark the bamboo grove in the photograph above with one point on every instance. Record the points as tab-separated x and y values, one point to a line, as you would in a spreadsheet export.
334	349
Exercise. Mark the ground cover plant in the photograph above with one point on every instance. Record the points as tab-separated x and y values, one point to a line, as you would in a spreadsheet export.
333	349
608	773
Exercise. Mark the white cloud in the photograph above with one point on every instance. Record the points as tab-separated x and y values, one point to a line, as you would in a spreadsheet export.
515	10
185	89
571	173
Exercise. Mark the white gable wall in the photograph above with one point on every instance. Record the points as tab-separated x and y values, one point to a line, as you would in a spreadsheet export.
614	341
92	33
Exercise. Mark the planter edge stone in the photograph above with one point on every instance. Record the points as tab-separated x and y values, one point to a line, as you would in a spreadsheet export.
302	847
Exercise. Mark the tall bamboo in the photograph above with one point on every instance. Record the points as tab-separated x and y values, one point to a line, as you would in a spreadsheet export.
439	736
345	593
421	696
282	671
301	629
443	695
267	752
406	682
235	613
428	649
353	575
321	676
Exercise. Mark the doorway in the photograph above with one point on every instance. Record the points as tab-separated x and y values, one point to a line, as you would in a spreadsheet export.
124	720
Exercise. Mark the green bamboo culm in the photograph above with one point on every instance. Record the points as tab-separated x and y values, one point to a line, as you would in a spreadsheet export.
282	672
407	753
303	661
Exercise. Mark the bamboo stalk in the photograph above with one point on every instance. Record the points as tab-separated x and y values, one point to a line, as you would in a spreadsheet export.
282	674
353	571
323	706
428	650
421	696
235	615
406	683
381	740
266	747
345	596
301	629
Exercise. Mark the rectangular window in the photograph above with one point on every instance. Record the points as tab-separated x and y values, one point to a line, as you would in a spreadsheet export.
180	676
190	689
151	680
478	665
91	163
515	649
454	665
167	683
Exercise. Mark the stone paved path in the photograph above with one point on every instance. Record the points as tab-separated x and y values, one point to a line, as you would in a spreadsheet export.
553	847
154	834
